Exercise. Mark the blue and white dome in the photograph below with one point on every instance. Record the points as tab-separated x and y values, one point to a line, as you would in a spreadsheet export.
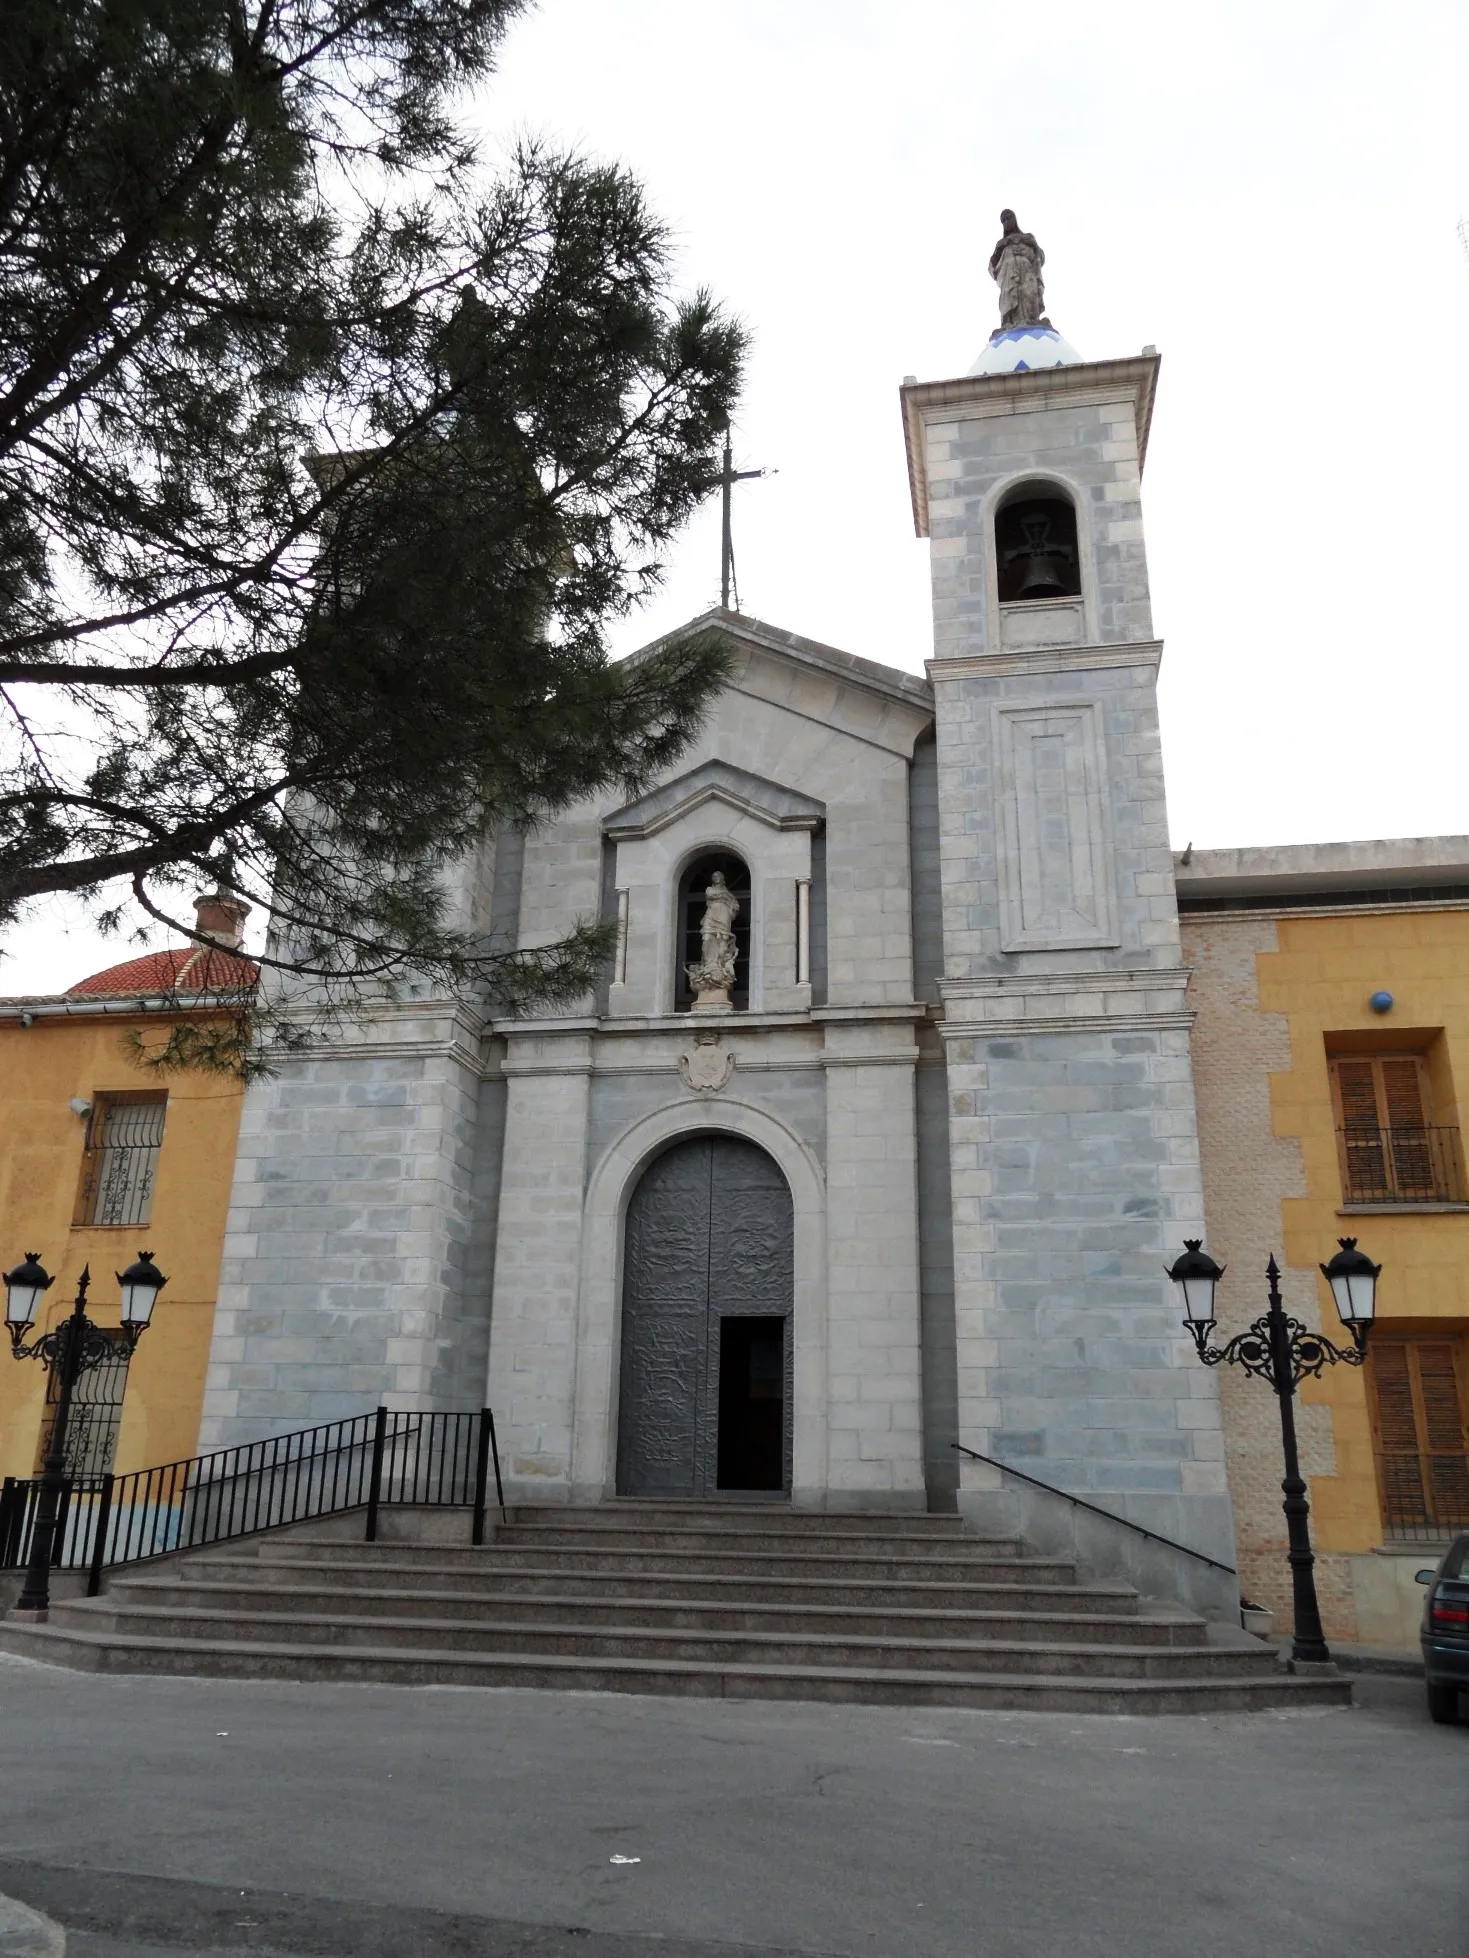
1018	349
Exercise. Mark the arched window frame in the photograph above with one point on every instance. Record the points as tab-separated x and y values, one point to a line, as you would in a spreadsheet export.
1045	483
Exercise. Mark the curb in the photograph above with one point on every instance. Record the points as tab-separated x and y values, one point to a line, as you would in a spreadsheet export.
25	1933
1364	1658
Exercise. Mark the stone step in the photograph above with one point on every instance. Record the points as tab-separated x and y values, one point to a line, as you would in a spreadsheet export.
962	1563
750	1541
776	1517
594	1608
571	1640
1039	1592
891	1686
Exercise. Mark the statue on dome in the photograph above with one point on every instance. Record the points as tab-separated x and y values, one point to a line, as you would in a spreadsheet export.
1015	266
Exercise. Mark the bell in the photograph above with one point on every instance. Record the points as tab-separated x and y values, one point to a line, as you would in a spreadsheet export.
1042	576
1040	558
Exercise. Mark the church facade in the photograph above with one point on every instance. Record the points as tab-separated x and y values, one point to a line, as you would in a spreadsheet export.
884	1156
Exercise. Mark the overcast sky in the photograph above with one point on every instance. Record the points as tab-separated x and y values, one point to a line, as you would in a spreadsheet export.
1268	193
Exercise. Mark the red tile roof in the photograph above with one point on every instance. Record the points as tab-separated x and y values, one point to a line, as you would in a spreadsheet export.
180	969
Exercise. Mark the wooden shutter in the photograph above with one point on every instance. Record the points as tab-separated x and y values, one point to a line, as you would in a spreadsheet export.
1386	1144
1403	1100
1356	1087
1404	1499
1445	1442
1420	1433
1364	1163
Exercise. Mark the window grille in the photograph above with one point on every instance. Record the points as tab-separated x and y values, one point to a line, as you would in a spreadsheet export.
122	1159
1420	1434
96	1412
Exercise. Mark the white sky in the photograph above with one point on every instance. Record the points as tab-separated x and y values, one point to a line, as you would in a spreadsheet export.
1269	193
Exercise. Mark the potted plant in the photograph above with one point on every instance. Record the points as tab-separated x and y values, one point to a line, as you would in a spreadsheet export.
1256	1618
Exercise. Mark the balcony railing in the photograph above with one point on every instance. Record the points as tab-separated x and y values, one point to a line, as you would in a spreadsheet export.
1414	1165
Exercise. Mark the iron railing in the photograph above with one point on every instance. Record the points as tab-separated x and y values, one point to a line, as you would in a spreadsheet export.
371	1462
1399	1529
1411	1165
1080	1502
1425	1497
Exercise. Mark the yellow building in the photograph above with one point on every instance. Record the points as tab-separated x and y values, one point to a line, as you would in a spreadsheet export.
101	1158
1331	985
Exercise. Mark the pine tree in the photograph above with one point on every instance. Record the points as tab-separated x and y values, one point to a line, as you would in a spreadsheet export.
326	460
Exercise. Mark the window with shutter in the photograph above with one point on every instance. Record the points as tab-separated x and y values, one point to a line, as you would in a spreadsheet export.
1421	1433
1391	1150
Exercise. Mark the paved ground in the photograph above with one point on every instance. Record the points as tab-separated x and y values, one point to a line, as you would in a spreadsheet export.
168	1816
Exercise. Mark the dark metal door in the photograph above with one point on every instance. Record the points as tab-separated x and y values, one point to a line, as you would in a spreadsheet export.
710	1233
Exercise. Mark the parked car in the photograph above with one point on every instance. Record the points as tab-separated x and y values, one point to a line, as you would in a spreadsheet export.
1446	1632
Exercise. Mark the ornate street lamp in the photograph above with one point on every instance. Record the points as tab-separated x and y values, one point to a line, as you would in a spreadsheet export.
1280	1351
72	1349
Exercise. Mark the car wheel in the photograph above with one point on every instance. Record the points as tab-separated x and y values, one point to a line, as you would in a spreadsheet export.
1443	1705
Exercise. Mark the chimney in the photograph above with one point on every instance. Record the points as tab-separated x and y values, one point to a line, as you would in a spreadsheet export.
220	917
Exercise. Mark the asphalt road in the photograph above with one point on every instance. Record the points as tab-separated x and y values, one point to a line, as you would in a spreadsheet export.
154	1817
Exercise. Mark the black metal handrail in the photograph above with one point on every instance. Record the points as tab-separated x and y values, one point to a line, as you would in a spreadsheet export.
1403	1165
1096	1509
371	1461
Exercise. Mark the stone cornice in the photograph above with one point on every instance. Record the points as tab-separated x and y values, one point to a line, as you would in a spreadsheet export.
1125	1022
908	1009
973	396
1047	659
421	1030
714	781
1055	1002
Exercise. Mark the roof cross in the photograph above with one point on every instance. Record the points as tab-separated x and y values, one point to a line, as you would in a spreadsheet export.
728	477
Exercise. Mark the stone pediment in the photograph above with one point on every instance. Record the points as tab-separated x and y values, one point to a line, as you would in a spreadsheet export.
714	781
756	638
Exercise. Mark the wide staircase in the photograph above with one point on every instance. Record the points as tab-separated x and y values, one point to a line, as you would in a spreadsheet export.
737	1601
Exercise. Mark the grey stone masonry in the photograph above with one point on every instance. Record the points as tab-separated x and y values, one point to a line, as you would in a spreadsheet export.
430	1210
1073	1142
342	1282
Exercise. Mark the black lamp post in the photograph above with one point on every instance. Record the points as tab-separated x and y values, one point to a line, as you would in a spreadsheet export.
1279	1350
72	1348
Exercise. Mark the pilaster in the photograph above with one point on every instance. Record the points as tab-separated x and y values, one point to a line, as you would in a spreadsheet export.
874	1383
533	1349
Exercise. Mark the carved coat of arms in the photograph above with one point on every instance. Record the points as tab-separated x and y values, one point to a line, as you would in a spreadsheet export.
705	1067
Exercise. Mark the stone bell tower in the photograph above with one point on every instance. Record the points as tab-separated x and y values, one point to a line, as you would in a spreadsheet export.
1073	1142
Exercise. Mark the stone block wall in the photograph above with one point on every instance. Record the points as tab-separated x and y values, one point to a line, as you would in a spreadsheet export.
343	1278
1077	427
1102	889
1075	1176
1249	1171
875	1444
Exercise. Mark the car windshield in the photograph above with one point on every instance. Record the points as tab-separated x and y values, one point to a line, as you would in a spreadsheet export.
1456	1564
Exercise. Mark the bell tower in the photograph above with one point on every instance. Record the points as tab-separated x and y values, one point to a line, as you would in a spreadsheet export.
1073	1146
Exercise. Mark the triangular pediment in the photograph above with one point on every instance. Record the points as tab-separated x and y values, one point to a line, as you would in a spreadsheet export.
741	632
714	781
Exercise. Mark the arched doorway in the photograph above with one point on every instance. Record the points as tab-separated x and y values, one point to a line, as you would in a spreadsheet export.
705	1401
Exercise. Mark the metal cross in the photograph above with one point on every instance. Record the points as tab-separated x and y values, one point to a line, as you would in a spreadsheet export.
729	476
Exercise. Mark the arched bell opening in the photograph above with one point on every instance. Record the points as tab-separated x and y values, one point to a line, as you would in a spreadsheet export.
693	889
1036	554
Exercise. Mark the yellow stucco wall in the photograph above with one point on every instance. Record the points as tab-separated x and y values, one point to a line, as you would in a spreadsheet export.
1320	980
41	1142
